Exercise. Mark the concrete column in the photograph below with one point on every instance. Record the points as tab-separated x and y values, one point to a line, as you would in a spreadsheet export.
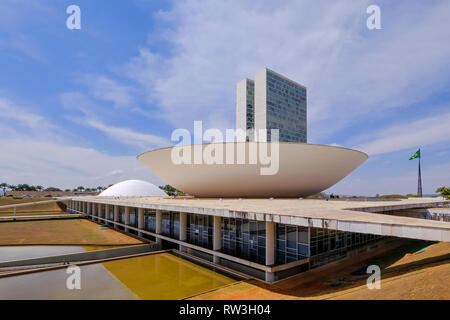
140	221
183	229
99	213
94	211
107	213
89	206
270	249
158	224
116	216
127	218
217	237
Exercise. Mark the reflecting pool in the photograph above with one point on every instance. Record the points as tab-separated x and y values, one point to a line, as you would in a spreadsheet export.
155	276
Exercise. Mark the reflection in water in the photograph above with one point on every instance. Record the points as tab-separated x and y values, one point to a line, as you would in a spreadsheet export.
96	283
157	276
164	276
11	253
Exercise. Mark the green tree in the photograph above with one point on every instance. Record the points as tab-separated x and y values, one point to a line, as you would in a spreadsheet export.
171	191
4	186
25	187
444	191
53	189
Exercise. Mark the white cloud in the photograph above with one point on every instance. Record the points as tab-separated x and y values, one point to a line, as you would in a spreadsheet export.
107	89
44	162
9	111
422	132
89	108
325	46
38	153
128	136
433	176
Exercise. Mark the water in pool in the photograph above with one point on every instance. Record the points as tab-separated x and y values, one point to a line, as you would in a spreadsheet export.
156	276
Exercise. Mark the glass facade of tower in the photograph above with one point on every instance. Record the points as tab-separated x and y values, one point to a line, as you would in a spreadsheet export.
284	105
286	109
250	110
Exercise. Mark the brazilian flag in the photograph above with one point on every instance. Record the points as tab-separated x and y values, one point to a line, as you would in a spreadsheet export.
416	155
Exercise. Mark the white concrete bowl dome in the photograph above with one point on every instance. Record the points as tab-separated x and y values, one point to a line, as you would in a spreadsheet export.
304	169
133	188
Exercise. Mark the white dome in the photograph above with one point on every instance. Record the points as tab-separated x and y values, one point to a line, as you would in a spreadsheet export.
133	188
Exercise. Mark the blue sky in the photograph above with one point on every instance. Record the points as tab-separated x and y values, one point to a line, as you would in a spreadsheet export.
77	106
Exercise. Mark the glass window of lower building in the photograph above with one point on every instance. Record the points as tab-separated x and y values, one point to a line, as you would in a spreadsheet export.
111	213
330	245
292	243
122	214
244	239
133	217
200	230
171	224
150	220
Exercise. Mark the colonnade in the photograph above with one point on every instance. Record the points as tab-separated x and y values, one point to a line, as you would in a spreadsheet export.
100	213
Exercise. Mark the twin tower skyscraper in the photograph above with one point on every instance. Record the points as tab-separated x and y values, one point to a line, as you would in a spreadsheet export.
271	101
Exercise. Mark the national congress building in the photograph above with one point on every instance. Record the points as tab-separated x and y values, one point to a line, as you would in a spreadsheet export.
257	224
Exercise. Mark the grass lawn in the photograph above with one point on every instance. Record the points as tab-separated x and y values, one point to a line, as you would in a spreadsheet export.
31	209
60	232
29	213
7	200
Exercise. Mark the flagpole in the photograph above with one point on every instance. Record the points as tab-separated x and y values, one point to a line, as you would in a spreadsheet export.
419	183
